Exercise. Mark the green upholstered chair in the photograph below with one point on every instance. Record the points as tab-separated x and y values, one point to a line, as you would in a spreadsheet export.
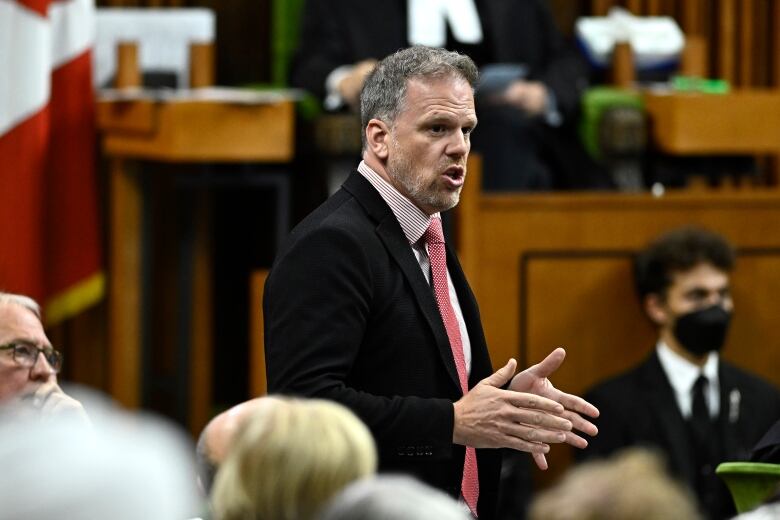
750	483
595	103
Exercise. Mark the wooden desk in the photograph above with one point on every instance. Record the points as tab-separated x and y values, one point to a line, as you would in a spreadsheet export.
181	129
740	122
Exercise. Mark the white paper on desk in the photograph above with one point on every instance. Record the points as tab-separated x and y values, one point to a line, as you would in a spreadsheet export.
241	96
655	40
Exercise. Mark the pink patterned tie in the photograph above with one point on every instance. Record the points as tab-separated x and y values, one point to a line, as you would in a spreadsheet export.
434	237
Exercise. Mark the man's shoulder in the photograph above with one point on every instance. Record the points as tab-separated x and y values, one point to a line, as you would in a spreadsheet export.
749	380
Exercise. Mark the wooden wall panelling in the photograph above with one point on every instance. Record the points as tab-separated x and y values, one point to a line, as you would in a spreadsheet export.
747	39
601	7
774	30
727	39
635	6
202	312
124	321
82	341
655	7
691	19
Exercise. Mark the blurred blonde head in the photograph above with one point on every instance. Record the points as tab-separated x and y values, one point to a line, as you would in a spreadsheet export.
632	485
289	458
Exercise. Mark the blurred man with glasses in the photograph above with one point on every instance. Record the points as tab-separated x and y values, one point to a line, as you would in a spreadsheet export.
28	363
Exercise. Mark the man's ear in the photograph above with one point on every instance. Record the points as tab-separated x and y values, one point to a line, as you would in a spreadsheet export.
377	138
655	309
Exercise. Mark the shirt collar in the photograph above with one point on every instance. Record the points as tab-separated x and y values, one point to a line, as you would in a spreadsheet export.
414	221
682	373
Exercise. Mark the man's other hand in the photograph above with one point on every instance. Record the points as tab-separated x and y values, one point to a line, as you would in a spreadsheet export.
535	380
349	87
490	417
528	96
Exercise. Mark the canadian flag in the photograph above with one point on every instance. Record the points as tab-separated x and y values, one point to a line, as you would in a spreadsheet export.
49	230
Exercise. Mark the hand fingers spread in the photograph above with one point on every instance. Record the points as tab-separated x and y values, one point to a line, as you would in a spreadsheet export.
577	404
502	375
550	364
538	419
534	402
540	460
526	446
581	424
575	440
531	434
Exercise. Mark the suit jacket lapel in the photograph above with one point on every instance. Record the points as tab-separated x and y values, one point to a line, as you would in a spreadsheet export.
389	231
659	393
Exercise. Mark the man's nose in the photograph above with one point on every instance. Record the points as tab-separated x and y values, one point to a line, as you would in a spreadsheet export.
459	145
41	369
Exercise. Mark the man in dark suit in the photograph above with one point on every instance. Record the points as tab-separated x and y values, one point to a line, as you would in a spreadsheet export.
365	305
528	106
684	400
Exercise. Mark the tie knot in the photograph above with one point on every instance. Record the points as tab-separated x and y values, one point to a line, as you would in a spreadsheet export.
434	233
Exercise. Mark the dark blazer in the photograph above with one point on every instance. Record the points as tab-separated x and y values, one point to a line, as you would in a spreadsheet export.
639	408
768	448
343	32
350	317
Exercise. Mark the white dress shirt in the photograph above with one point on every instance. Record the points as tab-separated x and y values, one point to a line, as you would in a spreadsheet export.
682	375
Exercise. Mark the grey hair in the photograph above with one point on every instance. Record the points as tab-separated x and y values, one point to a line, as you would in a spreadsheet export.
22	301
384	90
392	498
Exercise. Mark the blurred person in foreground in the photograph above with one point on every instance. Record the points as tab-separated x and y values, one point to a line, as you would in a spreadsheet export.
684	400
288	458
117	466
630	485
392	497
218	436
367	306
29	364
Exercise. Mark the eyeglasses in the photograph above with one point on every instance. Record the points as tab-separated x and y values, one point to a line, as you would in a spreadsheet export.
26	355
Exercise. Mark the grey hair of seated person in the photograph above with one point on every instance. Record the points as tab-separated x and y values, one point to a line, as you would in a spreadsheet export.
22	301
392	498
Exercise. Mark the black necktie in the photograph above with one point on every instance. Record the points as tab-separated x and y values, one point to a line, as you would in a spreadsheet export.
701	423
701	413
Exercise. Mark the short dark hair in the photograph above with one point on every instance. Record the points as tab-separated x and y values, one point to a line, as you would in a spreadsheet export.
384	90
679	250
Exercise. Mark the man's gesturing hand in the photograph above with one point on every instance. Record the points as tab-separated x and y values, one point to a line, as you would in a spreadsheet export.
489	417
534	380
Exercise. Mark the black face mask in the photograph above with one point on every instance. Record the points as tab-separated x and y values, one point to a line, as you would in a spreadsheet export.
702	331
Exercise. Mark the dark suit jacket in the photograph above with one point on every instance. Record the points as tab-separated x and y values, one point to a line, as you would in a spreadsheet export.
343	32
350	317
768	448
639	408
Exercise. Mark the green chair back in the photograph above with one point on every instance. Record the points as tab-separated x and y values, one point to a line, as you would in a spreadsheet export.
750	483
285	28
595	102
